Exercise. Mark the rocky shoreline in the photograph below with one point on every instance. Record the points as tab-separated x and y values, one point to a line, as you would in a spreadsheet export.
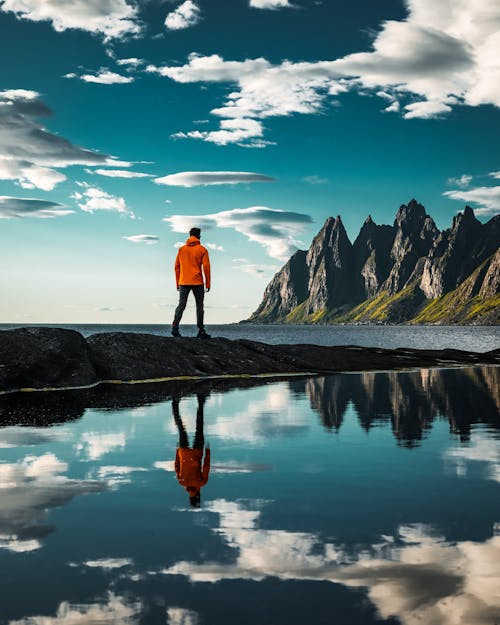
55	358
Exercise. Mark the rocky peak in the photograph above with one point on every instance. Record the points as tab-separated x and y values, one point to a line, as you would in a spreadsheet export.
409	215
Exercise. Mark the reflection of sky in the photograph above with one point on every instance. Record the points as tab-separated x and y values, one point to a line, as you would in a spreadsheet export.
110	612
416	575
27	489
481	451
286	500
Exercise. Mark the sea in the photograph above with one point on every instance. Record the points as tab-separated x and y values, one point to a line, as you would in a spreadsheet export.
470	338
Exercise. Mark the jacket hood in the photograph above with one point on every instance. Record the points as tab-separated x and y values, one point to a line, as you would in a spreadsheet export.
193	241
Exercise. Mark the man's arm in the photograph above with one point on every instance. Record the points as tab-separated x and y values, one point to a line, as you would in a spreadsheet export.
206	467
177	269
205	262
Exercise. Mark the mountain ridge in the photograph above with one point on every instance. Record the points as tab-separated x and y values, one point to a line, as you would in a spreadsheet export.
410	272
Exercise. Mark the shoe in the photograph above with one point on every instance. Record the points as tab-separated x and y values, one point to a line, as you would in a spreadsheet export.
175	332
203	335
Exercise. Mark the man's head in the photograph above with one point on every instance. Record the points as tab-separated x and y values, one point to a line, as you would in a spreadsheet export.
195	232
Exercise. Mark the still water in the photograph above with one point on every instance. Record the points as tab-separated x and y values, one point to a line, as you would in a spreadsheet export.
350	499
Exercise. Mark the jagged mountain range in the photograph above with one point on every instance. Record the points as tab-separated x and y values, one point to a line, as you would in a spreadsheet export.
410	272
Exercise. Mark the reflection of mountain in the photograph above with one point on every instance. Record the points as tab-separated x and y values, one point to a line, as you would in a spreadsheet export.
411	401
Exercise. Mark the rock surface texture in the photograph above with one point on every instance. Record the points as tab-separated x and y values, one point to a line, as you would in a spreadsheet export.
407	272
42	358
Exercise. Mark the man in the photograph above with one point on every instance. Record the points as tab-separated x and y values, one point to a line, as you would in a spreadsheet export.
191	264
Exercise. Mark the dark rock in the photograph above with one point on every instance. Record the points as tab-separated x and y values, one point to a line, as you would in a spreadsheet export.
287	289
55	358
455	254
372	249
44	357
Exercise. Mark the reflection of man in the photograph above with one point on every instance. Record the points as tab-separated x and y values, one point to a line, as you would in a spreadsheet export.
188	460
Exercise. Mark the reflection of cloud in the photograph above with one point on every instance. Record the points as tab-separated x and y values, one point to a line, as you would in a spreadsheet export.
97	445
27	490
227	467
108	564
181	616
271	415
115	610
480	449
114	475
415	576
15	436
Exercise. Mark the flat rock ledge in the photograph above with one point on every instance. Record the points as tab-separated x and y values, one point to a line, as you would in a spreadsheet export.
54	358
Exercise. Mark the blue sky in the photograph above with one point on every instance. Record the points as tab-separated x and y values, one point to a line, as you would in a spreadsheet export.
122	124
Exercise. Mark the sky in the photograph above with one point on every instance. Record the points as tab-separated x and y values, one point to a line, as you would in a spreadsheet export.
125	123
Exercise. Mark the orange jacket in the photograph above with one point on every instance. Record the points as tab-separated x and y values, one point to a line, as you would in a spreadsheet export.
191	257
188	467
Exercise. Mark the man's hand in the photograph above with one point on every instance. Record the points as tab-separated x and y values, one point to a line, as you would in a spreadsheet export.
178	288
207	289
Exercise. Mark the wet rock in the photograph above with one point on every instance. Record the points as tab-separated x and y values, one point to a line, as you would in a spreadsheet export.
51	357
44	357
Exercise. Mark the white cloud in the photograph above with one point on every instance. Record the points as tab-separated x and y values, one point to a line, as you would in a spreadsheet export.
28	175
118	173
270	4
111	611
132	63
315	179
437	58
276	230
29	151
258	269
148	239
28	488
103	77
109	18
488	198
197	178
18	208
185	15
92	199
462	181
214	246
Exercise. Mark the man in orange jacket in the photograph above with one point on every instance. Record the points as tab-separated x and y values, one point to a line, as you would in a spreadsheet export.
191	265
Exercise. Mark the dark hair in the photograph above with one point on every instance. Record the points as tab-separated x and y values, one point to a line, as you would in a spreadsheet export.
195	232
195	500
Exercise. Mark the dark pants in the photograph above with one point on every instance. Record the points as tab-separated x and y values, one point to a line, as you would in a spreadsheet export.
199	438
199	294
